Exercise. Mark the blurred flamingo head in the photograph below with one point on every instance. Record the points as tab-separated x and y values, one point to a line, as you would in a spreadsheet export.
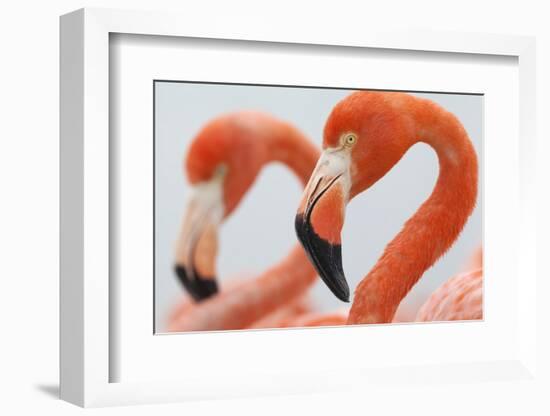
221	164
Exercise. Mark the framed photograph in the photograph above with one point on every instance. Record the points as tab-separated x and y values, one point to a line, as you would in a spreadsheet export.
205	128
275	212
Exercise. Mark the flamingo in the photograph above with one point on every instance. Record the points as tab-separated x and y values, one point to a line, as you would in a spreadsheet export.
222	164
365	135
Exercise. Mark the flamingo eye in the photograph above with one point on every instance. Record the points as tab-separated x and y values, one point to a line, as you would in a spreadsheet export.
349	139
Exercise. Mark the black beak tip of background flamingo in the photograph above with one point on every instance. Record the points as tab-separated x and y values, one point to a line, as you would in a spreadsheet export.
326	257
200	288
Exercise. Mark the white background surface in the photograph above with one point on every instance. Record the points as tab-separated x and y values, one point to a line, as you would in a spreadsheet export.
249	244
29	171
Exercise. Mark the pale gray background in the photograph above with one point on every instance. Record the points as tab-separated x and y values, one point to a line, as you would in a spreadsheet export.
247	245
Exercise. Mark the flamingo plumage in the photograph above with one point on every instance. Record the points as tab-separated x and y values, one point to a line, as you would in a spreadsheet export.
222	163
459	299
366	134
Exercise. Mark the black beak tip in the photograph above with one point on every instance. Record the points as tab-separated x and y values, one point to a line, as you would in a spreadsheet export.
337	284
326	257
200	288
341	291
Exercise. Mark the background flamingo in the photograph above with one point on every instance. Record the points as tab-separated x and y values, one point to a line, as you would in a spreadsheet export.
222	164
366	134
281	316
460	298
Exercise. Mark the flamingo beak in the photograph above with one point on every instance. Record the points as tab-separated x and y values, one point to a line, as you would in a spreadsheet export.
197	246
320	219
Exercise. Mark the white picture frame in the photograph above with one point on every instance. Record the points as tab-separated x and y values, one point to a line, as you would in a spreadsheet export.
87	356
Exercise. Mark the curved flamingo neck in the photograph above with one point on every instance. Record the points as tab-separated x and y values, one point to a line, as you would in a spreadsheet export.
291	148
434	227
293	275
287	145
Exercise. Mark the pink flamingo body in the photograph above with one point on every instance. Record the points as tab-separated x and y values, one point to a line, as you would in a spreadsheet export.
460	298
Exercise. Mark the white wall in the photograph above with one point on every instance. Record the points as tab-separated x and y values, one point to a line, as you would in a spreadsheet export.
29	209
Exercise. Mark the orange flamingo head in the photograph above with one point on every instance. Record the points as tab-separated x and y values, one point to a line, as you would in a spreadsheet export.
364	137
222	162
